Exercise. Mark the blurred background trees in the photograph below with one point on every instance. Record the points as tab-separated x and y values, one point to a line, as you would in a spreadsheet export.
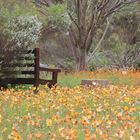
119	48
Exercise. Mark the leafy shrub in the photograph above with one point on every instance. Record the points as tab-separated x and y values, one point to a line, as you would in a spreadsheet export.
24	30
100	60
118	55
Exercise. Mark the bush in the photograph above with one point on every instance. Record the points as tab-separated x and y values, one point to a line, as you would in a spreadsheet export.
24	31
118	55
99	61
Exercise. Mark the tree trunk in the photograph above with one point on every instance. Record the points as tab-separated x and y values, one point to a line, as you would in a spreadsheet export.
81	61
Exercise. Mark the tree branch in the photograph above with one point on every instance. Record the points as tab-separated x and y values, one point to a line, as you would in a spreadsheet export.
102	38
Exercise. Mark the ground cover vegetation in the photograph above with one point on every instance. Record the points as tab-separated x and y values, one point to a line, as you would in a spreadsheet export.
120	78
70	113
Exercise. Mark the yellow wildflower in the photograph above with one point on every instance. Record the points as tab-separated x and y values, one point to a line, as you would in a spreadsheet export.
126	108
49	122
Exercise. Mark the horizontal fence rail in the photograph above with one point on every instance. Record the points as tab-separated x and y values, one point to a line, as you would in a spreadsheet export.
23	67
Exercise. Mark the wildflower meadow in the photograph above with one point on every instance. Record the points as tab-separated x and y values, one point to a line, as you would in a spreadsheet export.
69	69
71	113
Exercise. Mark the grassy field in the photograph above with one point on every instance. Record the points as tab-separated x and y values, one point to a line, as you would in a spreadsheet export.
116	78
77	113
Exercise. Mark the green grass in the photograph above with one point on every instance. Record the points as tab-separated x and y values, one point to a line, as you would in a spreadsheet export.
74	79
69	80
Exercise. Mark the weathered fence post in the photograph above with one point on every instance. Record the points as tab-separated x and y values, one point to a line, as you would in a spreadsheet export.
36	68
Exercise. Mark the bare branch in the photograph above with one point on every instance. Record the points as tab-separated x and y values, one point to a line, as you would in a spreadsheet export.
102	38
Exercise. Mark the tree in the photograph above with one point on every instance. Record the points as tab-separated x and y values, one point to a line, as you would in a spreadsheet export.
87	17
